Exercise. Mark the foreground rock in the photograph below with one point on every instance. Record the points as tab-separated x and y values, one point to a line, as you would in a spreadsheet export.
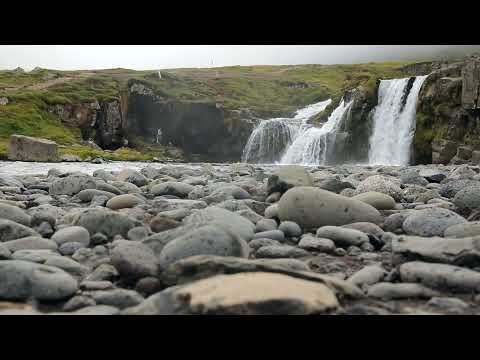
25	148
20	280
441	276
246	294
311	208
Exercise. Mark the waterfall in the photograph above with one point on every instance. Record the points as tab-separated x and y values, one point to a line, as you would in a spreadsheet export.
312	146
394	121
270	138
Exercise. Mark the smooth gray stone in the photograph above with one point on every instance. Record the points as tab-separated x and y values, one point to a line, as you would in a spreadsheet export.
23	280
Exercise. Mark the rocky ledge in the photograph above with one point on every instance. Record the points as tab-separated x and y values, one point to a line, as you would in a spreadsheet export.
241	239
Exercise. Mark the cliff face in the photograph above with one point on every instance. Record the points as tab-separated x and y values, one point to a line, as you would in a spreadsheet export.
448	113
203	130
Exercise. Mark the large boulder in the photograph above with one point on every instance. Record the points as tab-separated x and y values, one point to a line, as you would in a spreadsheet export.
311	208
287	177
431	222
21	280
258	293
25	148
211	231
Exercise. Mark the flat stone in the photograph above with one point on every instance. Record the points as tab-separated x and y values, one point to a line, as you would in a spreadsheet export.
30	243
368	276
272	234
441	276
465	251
388	291
282	251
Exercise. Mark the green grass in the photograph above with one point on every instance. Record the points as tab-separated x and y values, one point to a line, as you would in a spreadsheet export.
262	89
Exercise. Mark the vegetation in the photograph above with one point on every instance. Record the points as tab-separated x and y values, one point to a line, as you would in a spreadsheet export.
266	90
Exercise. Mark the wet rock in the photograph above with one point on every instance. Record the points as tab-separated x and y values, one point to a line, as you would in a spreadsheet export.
23	280
311	208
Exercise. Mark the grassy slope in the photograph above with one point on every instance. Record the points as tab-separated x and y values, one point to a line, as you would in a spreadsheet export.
262	89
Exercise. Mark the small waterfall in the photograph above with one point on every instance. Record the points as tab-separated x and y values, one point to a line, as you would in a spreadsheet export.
313	145
270	138
394	121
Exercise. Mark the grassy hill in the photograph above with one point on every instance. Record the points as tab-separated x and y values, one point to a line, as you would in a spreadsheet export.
266	90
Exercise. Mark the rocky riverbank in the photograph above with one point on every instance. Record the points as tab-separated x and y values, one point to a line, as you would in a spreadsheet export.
241	239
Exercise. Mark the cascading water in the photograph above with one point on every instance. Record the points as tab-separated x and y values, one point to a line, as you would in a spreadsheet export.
270	138
312	146
394	121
